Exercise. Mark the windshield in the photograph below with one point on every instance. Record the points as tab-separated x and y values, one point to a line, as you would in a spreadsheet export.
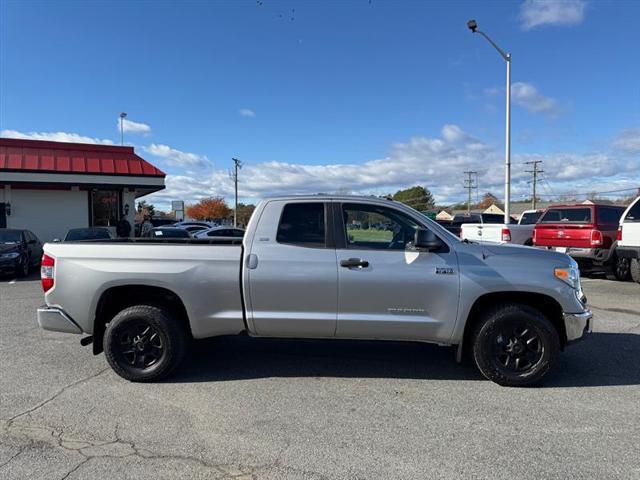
567	215
10	236
460	219
87	234
529	218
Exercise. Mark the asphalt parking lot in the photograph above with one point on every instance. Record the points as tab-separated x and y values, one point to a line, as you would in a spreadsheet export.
246	408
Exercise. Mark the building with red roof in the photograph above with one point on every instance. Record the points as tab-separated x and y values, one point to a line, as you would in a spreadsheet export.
49	187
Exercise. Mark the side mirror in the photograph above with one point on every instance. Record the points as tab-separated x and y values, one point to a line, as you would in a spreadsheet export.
427	240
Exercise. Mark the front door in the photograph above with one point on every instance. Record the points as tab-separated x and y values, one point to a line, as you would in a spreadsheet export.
290	272
387	289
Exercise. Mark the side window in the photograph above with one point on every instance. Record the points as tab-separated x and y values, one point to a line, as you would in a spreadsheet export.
303	224
237	233
215	233
633	215
377	228
609	216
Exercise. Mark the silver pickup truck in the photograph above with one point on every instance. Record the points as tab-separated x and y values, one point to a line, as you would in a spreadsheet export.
327	267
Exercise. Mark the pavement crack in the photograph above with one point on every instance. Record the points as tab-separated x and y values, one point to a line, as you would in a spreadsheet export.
74	469
54	396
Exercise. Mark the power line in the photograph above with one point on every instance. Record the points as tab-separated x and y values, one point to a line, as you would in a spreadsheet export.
535	173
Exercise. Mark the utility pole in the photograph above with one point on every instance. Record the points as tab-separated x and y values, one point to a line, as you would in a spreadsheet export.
123	115
237	164
535	173
469	185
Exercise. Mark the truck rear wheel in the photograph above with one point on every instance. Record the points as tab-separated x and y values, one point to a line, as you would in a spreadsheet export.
635	269
144	343
515	345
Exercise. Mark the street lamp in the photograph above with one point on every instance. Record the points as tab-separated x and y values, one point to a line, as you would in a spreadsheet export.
473	26
122	117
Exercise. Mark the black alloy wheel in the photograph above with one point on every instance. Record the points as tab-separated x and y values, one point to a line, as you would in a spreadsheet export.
145	343
622	269
515	345
139	346
517	349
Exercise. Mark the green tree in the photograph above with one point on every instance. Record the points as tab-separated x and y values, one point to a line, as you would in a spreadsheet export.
416	197
145	208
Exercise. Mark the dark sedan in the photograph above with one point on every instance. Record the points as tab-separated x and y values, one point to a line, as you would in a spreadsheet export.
20	251
89	233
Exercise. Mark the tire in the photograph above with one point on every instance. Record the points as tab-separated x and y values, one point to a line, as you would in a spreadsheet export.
23	270
634	269
144	343
515	345
621	268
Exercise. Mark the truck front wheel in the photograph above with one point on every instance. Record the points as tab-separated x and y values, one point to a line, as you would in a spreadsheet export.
515	345
144	343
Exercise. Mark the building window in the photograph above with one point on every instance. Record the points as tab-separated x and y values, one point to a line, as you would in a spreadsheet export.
105	208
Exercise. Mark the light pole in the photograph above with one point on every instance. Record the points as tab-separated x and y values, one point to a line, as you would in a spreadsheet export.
237	164
473	26
122	117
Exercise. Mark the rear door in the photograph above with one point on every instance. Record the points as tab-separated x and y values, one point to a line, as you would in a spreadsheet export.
387	289
291	271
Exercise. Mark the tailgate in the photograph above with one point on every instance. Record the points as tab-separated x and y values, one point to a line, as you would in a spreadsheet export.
481	232
578	236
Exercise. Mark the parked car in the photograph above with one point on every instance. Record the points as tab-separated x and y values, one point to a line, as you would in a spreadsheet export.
193	228
169	232
497	231
628	237
20	251
90	233
587	232
299	274
220	232
195	223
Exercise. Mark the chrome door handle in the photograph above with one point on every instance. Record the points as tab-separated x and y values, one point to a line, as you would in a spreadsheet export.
354	263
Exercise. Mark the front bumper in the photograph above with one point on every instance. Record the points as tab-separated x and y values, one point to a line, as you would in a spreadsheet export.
577	325
55	320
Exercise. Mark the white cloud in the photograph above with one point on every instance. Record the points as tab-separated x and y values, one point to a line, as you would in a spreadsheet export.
437	163
247	112
54	137
177	158
528	97
628	140
129	126
536	13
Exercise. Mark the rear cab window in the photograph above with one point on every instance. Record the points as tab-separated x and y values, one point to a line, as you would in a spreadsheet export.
303	225
567	215
529	218
633	215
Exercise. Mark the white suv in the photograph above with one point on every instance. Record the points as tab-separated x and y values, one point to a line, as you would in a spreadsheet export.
629	238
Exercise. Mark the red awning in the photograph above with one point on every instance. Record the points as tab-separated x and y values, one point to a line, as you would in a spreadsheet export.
17	155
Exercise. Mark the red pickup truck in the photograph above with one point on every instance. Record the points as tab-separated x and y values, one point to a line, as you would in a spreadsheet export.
587	232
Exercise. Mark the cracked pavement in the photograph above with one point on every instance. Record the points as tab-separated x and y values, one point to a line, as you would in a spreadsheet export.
244	408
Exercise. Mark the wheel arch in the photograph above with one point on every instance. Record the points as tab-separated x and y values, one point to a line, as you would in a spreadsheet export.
543	303
117	298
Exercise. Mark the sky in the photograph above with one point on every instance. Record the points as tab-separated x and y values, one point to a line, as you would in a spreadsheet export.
352	96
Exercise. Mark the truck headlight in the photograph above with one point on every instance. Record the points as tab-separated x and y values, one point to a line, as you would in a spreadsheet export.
569	275
10	255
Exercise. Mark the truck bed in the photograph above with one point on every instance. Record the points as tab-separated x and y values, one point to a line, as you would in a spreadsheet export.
205	274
